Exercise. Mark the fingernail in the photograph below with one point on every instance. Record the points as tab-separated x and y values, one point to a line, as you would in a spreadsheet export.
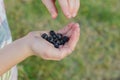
68	15
74	15
54	15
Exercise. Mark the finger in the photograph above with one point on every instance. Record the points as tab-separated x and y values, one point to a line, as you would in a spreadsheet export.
72	4
66	29
66	49
65	8
69	33
77	6
74	37
50	5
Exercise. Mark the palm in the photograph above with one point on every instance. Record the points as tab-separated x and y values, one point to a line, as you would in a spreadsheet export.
47	51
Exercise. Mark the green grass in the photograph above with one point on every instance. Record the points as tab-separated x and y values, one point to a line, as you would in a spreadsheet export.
96	56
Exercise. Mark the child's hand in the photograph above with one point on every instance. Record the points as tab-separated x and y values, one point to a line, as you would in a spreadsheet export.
69	7
46	50
34	44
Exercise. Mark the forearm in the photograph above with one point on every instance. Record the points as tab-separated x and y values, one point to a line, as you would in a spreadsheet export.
12	54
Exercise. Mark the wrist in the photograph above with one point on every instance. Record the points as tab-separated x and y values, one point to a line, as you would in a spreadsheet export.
24	47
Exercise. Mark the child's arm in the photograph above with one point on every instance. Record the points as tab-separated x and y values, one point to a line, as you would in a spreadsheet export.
12	54
33	44
69	7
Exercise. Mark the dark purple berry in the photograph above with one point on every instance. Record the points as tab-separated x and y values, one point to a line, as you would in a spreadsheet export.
52	33
50	39
62	42
59	36
58	42
65	39
44	36
55	39
56	45
53	42
54	36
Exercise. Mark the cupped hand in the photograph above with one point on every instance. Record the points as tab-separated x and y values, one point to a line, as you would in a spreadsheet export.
47	51
69	7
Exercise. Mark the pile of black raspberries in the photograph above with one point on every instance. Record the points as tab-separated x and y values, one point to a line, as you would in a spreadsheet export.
56	39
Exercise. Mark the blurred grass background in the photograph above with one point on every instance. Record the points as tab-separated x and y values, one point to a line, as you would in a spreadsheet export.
96	56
